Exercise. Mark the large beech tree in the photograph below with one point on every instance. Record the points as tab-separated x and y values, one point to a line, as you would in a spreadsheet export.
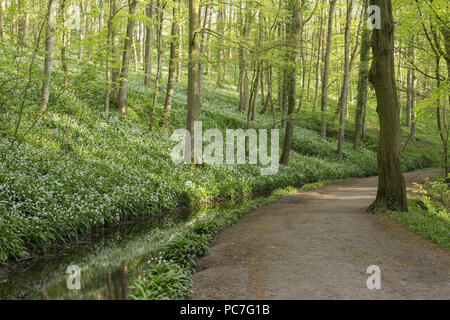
391	184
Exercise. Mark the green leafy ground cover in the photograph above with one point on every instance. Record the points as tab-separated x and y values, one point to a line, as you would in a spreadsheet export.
78	169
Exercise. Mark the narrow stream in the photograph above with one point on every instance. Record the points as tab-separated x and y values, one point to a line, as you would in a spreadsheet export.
109	260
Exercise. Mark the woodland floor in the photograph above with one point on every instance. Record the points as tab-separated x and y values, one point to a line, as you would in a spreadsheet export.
318	245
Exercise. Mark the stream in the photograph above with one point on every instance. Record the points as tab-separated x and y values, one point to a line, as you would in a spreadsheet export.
109	259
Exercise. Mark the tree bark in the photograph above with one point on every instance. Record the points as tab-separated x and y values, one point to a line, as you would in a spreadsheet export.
159	37
391	192
193	75
49	50
317	68
148	45
122	95
243	77
363	79
295	8
64	35
202	51
172	67
116	50
343	104
324	99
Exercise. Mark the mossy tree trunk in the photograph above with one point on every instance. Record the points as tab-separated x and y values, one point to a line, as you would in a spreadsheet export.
293	44
391	192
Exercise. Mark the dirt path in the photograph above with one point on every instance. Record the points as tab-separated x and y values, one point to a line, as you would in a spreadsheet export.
318	245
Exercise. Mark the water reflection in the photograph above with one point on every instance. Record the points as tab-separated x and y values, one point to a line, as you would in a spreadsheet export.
110	259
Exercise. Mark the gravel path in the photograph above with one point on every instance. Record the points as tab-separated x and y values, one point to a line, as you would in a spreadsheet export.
318	245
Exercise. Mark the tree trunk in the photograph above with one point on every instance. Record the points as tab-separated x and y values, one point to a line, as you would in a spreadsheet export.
159	36
22	29
172	67
203	52
148	45
391	192
325	70
317	68
363	79
343	104
49	49
64	44
116	49
2	31
193	75
295	27
243	77
220	49
82	30
109	47
180	52
122	95
412	93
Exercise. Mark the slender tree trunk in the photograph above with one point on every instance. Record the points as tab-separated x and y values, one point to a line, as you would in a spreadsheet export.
2	30
319	54
202	52
159	36
193	75
294	38
363	79
255	89
116	50
391	192
208	49
220	49
302	57
408	98
324	100
49	50
412	93
180	50
148	45
122	95
243	77
172	67
343	105
82	30
107	67
64	44
22	27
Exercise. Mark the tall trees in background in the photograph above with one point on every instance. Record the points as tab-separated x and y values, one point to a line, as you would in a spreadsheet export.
242	44
391	192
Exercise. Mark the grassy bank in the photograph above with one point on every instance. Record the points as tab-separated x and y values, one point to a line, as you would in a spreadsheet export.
78	169
429	213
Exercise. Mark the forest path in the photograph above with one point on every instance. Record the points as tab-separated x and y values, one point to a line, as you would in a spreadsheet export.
318	245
